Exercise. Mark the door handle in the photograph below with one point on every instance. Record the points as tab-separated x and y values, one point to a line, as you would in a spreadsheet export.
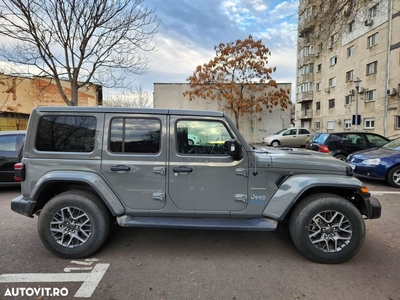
182	169
120	168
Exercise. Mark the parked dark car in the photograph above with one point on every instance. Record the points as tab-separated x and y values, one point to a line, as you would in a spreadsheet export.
11	143
378	163
341	144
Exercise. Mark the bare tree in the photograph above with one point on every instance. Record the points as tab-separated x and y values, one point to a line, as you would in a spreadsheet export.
137	98
81	41
325	20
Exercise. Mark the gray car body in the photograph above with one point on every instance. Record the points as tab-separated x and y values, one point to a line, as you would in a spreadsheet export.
263	183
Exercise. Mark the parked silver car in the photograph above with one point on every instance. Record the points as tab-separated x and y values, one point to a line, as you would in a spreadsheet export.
289	137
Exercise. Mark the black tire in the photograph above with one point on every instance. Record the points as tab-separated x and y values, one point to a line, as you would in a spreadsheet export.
340	157
190	142
307	226
393	177
275	143
74	237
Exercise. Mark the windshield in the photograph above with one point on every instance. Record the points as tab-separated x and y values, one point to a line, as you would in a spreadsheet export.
393	145
282	130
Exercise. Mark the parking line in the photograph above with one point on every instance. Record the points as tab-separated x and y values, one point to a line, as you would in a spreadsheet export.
90	280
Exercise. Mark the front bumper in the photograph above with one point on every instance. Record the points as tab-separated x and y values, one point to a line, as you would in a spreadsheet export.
374	208
23	206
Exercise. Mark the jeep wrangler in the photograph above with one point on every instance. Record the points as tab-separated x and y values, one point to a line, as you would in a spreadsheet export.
85	167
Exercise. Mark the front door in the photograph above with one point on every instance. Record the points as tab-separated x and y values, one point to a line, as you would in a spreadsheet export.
202	176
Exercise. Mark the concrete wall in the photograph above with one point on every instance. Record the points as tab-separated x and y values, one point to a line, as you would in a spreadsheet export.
170	95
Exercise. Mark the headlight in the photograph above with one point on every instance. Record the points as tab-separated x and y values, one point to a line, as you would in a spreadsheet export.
372	161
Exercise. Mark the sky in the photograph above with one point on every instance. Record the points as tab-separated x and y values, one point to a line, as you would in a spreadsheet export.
190	29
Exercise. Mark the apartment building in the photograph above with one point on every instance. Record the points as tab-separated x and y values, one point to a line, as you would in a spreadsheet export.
350	80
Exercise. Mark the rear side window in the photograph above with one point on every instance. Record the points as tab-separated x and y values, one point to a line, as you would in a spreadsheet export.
135	135
66	134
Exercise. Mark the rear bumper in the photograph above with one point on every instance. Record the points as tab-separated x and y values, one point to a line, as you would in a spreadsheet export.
23	206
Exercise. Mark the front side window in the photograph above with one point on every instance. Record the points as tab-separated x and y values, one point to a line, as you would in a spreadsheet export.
375	140
135	135
66	133
194	137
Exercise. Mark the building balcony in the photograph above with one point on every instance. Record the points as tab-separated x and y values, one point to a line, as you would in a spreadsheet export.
305	114
305	78
304	96
305	60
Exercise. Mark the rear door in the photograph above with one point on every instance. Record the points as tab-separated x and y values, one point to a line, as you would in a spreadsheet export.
203	178
134	159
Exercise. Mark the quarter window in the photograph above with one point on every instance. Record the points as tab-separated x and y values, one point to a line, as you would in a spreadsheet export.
66	134
135	135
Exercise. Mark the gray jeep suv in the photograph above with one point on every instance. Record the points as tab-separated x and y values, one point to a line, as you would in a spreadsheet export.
84	167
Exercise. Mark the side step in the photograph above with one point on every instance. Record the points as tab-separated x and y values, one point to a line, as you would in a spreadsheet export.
199	223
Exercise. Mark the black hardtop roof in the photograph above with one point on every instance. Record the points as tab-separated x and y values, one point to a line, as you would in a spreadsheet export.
155	111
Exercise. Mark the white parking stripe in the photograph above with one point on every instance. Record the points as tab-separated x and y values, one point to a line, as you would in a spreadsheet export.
384	192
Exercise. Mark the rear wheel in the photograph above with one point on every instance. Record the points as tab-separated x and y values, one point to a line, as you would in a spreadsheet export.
275	143
74	224
393	178
327	228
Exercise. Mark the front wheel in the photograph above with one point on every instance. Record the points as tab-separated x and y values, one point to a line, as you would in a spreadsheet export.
275	143
74	224
393	177
327	228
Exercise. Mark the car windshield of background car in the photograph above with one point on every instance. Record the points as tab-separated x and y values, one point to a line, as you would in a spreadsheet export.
393	145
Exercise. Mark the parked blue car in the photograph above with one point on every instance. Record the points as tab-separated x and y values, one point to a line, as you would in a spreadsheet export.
378	163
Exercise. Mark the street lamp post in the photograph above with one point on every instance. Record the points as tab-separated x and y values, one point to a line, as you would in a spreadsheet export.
357	85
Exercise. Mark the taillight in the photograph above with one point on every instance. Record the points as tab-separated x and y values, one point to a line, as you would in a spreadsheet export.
323	149
19	172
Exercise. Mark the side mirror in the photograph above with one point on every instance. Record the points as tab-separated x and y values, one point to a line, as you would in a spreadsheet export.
234	149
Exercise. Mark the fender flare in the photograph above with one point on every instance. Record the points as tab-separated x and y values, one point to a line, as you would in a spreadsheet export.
101	187
293	187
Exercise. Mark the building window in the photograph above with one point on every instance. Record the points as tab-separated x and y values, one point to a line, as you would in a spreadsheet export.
333	60
319	47
370	95
347	124
372	40
318	105
318	86
369	123
330	125
348	99
334	38
349	75
317	125
372	68
397	122
332	82
350	51
319	67
373	11
331	103
351	26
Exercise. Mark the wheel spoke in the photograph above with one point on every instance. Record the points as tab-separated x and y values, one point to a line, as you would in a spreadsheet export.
330	231
71	227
